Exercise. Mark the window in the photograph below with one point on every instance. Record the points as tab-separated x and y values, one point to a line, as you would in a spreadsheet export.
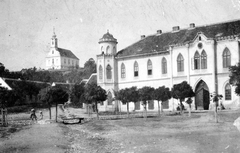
228	95
204	60
123	71
149	67
64	61
196	60
180	63
164	66
52	61
226	58
100	72
109	72
52	52
107	50
135	69
68	61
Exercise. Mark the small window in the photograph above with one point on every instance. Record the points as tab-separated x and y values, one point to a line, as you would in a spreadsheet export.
180	63
149	67
68	61
108	50
228	92
100	72
52	52
199	38
135	69
109	72
196	60
64	61
164	66
52	61
226	58
204	60
123	71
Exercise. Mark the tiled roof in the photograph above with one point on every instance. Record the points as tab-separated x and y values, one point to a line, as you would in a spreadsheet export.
161	42
66	53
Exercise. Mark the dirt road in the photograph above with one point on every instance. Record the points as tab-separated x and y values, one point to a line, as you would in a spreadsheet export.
172	134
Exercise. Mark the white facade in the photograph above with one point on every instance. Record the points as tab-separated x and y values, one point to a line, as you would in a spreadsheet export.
203	65
59	58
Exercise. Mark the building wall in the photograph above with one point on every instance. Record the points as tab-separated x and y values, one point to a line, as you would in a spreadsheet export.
214	51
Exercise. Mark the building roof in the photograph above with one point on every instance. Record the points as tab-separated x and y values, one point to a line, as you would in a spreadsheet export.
107	38
161	42
66	53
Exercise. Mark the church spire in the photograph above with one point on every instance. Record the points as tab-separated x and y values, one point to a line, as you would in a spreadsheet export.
54	39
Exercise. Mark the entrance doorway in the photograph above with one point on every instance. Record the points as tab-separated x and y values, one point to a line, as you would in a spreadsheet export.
202	99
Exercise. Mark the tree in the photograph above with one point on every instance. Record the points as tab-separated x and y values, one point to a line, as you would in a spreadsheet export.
94	94
181	91
235	77
145	94
122	95
77	95
89	68
215	98
162	94
57	96
53	95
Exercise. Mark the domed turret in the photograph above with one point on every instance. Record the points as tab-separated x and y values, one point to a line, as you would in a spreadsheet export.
107	38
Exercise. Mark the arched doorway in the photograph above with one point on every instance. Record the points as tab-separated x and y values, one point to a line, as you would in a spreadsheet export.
202	96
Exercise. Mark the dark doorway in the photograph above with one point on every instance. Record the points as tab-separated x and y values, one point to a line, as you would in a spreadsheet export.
202	96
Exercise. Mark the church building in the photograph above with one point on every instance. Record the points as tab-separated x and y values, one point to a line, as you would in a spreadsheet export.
59	58
200	55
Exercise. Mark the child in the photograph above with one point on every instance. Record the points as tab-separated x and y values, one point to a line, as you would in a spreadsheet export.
41	115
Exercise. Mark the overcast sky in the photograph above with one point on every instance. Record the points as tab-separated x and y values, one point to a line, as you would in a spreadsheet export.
26	26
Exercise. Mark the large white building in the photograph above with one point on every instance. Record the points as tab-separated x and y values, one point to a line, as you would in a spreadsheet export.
59	58
199	55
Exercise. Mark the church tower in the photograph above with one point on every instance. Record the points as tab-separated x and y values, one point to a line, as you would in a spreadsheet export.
54	40
106	63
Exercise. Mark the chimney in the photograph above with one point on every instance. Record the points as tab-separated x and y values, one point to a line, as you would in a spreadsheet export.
192	25
159	32
176	28
142	36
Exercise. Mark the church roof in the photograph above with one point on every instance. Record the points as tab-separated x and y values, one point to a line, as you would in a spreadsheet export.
66	53
161	42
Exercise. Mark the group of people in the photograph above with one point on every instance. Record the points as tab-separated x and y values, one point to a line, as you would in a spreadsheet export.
33	115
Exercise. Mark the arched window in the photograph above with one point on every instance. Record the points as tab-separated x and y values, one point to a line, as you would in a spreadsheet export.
164	66
102	51
108	50
228	92
135	69
109	72
204	60
100	72
196	60
149	67
180	63
123	71
226	58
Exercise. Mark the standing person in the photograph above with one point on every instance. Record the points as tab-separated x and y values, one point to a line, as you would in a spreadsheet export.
33	114
41	115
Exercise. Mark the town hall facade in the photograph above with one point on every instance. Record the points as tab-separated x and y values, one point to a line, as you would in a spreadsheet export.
200	55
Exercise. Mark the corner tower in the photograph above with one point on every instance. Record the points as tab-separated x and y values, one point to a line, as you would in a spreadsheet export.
106	63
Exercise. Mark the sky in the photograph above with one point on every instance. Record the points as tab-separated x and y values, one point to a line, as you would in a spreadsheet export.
26	26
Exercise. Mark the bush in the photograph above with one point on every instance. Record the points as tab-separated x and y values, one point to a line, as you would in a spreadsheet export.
18	109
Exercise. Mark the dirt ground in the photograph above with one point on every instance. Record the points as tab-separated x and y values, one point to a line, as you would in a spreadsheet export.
167	134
